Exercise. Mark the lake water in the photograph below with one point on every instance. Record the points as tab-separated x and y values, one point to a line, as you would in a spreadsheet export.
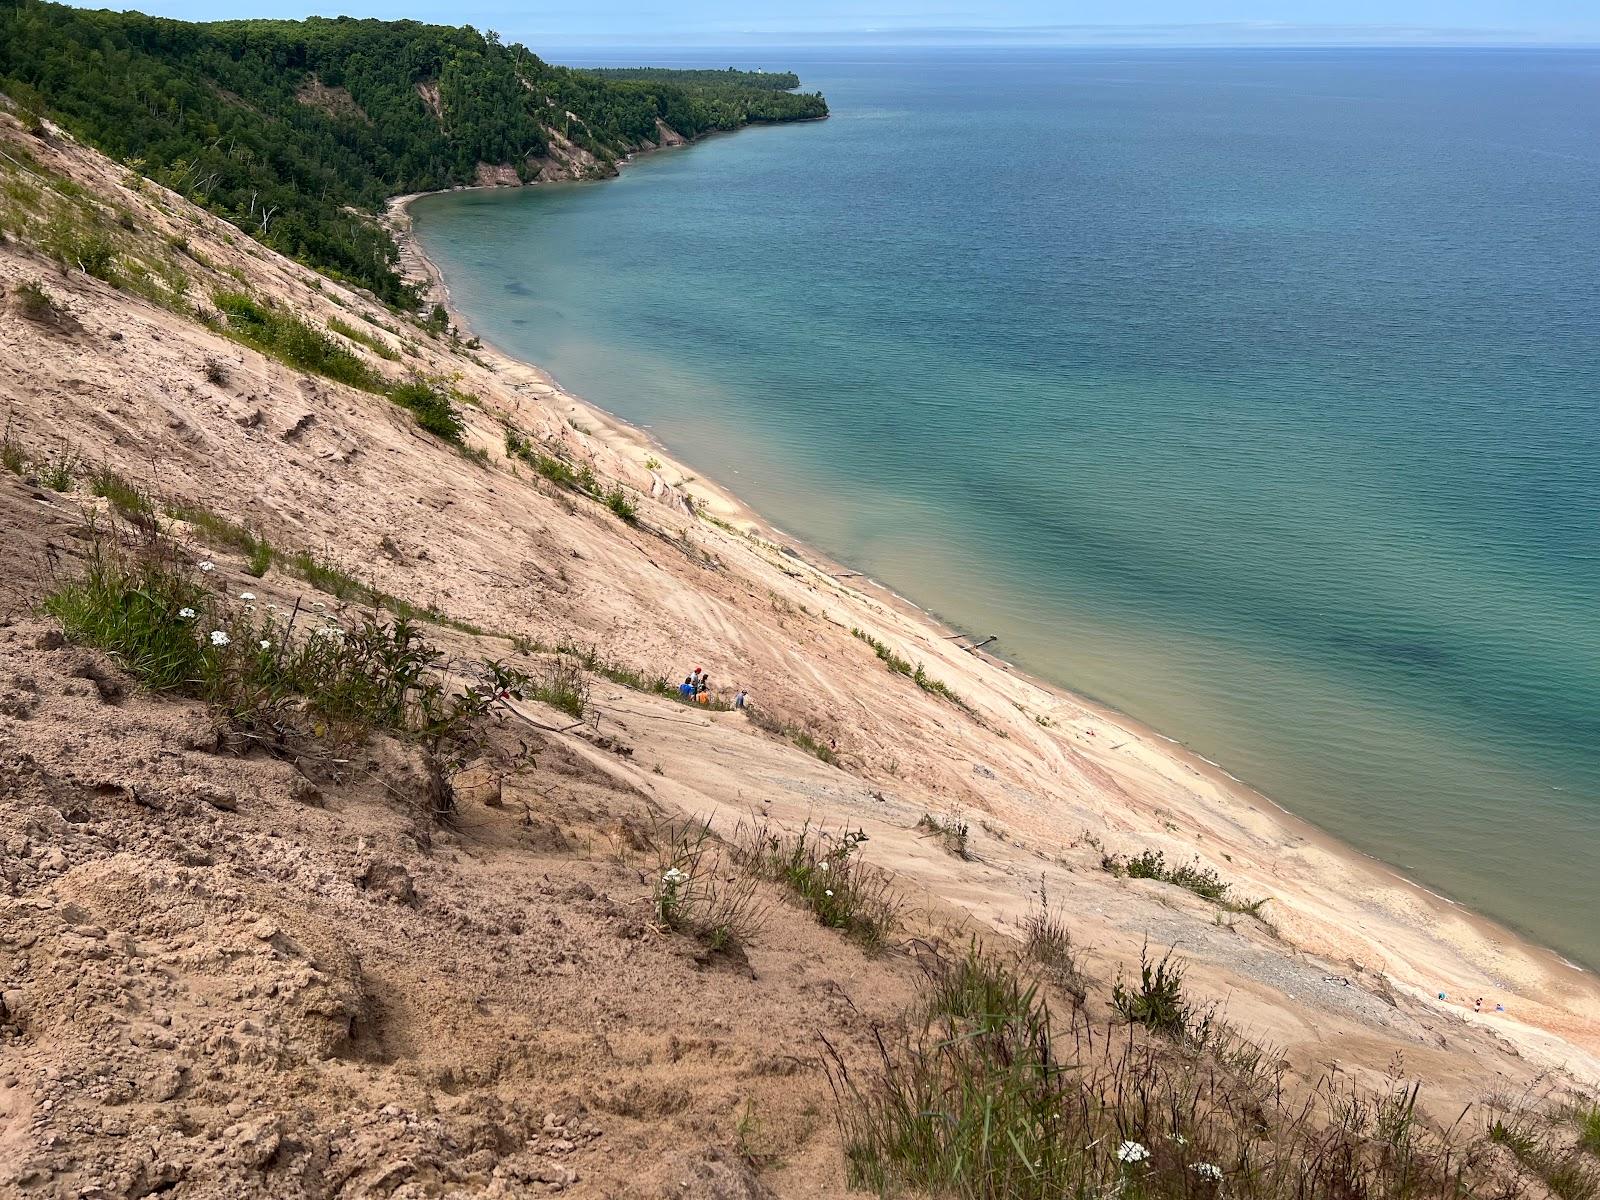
1252	392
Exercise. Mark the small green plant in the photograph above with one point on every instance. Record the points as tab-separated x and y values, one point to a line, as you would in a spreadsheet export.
935	687
815	746
34	303
288	339
141	604
890	659
261	556
1158	1003
12	456
74	241
1202	881
1563	1169
952	832
215	529
128	500
563	687
1047	940
825	872
1587	1119
902	666
700	891
979	1095
377	345
60	473
618	502
432	407
276	686
557	470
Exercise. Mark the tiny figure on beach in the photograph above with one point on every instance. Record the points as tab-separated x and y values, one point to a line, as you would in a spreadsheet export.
739	698
1477	1006
1442	996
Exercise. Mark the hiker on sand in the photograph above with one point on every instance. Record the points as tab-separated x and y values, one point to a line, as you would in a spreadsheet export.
739	698
703	692
686	688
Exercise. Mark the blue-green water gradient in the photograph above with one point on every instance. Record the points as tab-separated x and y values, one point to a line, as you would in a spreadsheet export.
1252	392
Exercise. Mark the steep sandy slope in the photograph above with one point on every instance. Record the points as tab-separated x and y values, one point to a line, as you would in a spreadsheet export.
222	976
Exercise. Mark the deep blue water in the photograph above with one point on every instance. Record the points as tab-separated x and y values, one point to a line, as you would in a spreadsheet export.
1252	392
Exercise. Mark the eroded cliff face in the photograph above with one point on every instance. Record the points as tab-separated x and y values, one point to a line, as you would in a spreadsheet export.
226	970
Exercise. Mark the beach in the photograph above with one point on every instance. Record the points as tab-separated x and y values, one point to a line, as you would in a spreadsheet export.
1075	778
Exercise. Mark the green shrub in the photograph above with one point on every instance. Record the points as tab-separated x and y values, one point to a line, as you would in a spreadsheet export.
893	661
377	345
288	339
1047	941
952	833
825	872
75	242
1587	1119
1202	881
143	606
35	304
1158	1003
617	501
979	1095
276	685
901	666
59	474
699	892
12	456
261	557
217	530
563	687
128	500
935	687
1563	1169
432	408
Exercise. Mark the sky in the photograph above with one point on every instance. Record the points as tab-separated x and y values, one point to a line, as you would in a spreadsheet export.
935	22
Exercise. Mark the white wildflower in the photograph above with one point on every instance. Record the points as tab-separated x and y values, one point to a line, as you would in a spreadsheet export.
822	866
208	566
1208	1171
266	645
1180	1139
1132	1152
186	613
218	638
247	595
827	891
674	877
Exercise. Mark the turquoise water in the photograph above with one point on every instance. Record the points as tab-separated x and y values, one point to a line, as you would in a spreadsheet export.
1254	393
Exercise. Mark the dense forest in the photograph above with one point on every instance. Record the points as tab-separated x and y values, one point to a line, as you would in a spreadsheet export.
775	81
284	127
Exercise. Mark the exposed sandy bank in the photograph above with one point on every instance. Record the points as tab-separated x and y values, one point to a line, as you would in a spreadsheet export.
215	975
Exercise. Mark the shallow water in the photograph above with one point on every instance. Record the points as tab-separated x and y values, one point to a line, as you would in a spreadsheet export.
1252	392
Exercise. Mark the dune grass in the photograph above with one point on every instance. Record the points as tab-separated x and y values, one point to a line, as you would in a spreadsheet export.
983	1094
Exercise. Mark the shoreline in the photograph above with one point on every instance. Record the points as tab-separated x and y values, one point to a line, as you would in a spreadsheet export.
1486	936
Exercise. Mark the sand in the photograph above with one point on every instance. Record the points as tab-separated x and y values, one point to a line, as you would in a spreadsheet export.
490	1026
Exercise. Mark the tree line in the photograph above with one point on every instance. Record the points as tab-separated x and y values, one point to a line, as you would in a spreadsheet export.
297	131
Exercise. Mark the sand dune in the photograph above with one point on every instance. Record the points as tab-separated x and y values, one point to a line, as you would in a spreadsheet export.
525	982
